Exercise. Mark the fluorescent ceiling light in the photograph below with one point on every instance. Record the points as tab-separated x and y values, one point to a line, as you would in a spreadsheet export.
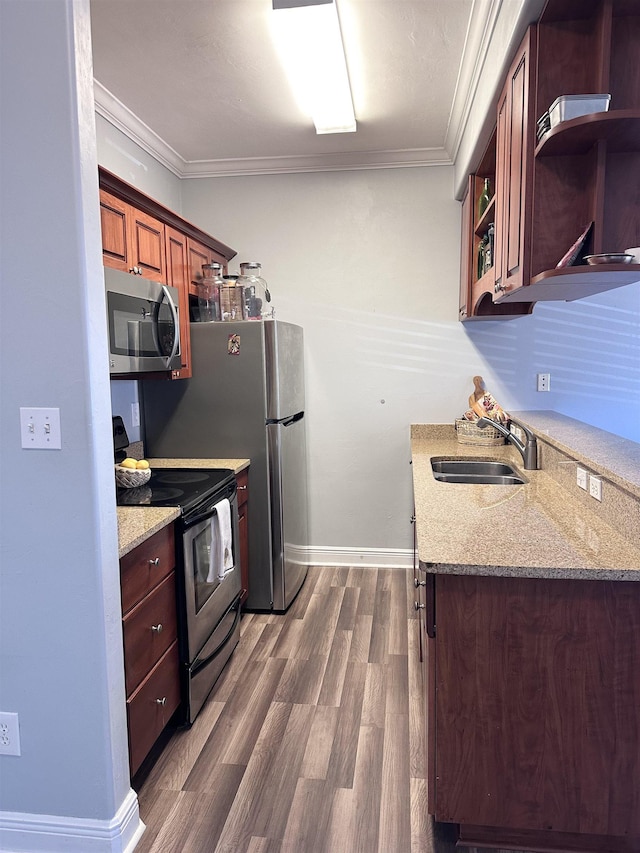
307	34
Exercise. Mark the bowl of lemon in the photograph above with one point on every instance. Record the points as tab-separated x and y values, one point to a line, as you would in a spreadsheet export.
131	473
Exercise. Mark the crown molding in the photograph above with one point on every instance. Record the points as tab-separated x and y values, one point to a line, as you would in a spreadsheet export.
482	23
345	161
121	117
127	122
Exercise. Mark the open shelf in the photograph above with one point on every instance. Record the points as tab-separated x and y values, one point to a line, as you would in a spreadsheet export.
619	128
487	218
569	283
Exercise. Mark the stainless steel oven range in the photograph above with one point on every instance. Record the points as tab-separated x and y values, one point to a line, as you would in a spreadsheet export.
207	570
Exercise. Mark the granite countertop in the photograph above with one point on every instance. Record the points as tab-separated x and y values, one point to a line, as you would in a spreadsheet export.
137	523
616	458
538	529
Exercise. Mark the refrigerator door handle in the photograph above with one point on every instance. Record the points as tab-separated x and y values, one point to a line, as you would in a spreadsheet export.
286	421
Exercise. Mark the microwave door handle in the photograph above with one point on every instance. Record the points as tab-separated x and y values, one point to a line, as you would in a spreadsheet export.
176	324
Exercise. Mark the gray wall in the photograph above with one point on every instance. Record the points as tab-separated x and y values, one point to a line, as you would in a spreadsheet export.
61	665
367	262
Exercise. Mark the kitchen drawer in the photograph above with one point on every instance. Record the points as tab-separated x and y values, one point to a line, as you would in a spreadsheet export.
149	629
145	566
152	705
242	479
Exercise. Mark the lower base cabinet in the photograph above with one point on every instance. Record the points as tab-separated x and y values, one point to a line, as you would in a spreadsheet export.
533	711
242	480
149	623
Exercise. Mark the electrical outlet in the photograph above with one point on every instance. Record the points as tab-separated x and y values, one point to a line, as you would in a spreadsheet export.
581	478
135	414
544	381
595	487
9	734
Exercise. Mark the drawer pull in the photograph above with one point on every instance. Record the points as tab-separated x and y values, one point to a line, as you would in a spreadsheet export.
418	606
162	701
242	488
155	561
157	628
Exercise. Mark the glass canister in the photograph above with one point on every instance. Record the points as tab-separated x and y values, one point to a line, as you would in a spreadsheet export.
256	291
209	293
231	298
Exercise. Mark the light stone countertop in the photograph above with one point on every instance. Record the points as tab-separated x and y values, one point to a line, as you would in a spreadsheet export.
137	523
538	529
616	458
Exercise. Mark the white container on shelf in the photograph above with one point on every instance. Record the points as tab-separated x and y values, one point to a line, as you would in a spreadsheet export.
573	106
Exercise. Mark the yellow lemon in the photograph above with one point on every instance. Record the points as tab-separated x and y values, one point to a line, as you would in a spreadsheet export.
142	464
128	463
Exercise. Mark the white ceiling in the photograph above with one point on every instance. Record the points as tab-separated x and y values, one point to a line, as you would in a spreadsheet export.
198	83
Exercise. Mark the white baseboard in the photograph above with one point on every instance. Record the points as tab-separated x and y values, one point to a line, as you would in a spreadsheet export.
38	833
373	558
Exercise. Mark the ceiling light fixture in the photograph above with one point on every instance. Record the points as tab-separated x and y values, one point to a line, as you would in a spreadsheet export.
307	34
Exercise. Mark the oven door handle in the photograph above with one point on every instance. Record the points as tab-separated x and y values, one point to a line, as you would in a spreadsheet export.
206	661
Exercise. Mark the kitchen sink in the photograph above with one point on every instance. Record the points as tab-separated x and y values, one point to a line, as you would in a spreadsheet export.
481	471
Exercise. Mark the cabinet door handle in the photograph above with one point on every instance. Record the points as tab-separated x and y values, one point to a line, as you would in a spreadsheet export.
242	488
419	606
155	561
418	583
157	628
430	615
162	701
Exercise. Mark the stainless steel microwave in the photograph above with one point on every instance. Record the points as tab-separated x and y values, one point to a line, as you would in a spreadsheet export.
144	324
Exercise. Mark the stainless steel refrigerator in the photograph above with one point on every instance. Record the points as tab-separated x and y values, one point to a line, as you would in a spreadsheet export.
246	399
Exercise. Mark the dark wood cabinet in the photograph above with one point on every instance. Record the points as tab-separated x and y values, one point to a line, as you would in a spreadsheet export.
502	226
197	255
149	624
132	241
583	170
147	245
178	277
242	480
141	236
514	168
466	253
593	160
533	712
115	232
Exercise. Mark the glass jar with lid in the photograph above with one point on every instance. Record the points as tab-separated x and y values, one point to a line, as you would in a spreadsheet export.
256	291
209	293
231	298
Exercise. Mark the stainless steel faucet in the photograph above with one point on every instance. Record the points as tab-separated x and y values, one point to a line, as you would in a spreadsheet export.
528	449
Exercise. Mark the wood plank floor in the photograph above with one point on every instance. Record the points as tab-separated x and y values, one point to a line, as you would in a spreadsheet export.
313	739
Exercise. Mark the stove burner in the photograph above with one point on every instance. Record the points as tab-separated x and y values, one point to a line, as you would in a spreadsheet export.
185	488
178	476
145	496
165	493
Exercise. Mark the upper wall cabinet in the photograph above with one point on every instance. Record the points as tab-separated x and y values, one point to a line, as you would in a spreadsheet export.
551	187
142	237
132	240
498	195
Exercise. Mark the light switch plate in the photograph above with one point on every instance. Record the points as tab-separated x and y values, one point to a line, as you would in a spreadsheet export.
40	429
581	477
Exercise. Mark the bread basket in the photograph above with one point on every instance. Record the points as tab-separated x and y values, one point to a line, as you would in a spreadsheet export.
468	433
131	478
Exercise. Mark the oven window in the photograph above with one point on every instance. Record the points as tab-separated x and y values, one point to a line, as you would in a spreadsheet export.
205	578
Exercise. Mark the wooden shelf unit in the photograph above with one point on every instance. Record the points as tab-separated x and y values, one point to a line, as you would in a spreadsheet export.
585	169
